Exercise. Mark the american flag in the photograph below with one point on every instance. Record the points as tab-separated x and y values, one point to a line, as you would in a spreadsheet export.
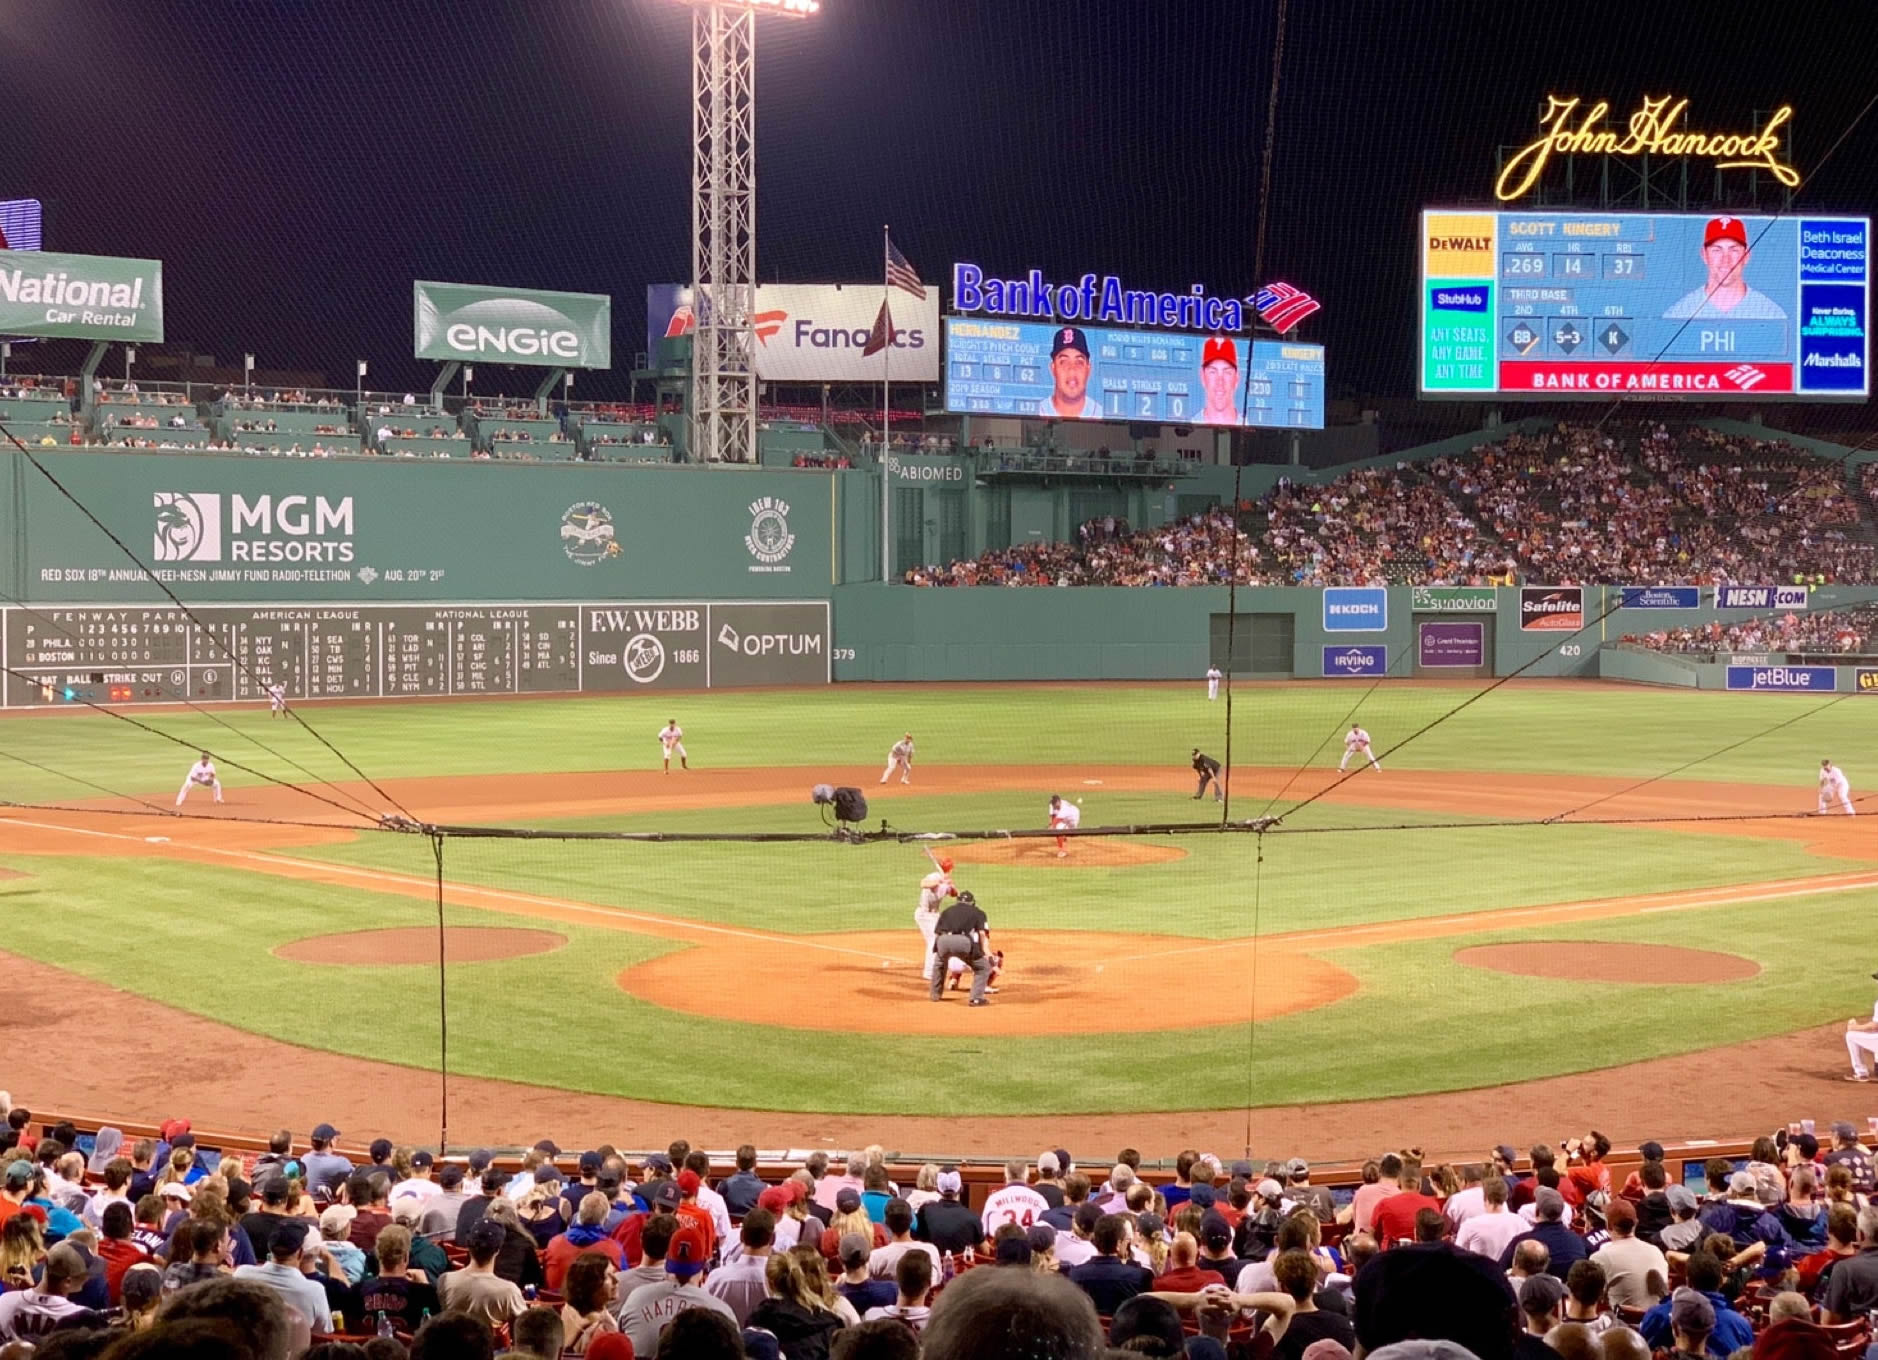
900	274
1283	306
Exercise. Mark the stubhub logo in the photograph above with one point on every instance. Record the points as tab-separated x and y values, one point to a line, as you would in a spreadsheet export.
1458	299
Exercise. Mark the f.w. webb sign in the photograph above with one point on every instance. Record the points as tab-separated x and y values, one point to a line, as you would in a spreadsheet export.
473	324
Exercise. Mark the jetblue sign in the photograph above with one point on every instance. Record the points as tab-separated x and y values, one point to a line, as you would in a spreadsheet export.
1785	679
1355	609
1347	661
1760	597
1101	299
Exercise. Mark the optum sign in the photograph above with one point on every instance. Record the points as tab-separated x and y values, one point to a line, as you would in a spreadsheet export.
471	324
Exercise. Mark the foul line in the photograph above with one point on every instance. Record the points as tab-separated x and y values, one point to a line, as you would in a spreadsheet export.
311	868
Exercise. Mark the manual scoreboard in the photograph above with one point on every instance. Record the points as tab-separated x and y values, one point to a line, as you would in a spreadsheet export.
1665	306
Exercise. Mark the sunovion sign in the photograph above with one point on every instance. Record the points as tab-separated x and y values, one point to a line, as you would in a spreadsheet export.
468	323
90	297
1099	299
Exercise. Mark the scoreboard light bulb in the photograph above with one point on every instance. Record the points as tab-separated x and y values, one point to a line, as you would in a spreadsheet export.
795	9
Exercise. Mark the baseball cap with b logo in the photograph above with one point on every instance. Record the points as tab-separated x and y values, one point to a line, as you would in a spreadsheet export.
1070	337
1725	229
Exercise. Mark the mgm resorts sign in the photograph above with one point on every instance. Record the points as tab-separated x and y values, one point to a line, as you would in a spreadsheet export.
466	323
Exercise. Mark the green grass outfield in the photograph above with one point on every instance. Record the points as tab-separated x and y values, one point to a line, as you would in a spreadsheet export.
199	937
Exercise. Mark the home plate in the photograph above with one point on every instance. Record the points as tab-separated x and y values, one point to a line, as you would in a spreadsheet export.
157	840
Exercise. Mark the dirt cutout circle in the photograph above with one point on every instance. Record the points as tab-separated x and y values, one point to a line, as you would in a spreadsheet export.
1089	853
414	945
1603	961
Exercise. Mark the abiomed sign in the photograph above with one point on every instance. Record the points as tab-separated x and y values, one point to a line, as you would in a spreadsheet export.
1651	131
88	297
467	323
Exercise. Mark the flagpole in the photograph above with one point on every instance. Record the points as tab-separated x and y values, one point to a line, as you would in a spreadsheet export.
886	404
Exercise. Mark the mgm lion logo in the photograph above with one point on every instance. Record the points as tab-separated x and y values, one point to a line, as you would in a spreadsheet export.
769	539
188	526
587	533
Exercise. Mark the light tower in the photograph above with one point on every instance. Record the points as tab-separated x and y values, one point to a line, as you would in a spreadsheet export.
723	222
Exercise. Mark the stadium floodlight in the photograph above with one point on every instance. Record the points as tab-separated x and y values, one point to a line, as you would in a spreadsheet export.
794	9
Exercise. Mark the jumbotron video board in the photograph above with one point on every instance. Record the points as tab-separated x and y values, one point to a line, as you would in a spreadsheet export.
1046	371
1704	307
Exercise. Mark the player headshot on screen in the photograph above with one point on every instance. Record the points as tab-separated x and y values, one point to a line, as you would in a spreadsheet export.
1726	293
1219	377
1069	370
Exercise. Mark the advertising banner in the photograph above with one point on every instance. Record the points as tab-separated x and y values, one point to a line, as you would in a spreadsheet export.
1866	680
1353	661
85	297
1551	609
1454	599
1760	597
1785	679
1451	644
1045	372
22	224
1355	609
1662	597
928	470
469	323
1688	306
815	332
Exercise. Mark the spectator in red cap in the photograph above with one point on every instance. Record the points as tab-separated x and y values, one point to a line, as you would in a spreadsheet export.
693	1214
648	1308
1219	379
1725	250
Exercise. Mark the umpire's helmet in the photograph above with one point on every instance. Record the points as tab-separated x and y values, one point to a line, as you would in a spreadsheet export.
967	900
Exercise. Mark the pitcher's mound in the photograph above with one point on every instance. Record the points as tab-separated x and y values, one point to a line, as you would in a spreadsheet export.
1601	961
1082	854
418	945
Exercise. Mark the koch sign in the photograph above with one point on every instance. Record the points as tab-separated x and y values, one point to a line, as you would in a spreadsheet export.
1349	661
1662	597
1784	679
1760	597
1451	644
1356	609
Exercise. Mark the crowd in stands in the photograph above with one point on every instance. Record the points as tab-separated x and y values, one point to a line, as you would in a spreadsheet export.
1844	631
157	1247
1629	504
821	460
129	392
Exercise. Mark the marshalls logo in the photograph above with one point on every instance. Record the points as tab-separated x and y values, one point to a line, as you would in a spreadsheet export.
188	526
769	539
587	533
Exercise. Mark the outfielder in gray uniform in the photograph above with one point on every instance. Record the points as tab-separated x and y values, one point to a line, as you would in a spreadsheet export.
961	934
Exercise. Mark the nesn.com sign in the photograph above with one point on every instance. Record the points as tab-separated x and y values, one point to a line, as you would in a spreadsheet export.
1356	609
1760	597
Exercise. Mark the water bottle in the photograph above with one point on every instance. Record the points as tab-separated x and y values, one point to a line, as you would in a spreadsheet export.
529	1293
384	1323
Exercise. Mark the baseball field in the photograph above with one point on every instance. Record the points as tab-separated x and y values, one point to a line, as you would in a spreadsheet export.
1546	879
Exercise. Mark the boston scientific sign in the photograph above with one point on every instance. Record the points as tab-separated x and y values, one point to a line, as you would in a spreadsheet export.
1101	299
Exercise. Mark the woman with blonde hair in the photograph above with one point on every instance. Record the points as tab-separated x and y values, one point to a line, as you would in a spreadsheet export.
822	1284
794	1312
176	1169
925	1186
517	1260
850	1217
22	1249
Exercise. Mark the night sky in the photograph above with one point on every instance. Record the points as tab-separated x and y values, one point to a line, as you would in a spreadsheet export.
296	164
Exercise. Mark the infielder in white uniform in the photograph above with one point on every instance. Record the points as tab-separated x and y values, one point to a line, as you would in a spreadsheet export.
1833	788
900	758
672	742
1356	743
933	891
1064	816
1212	682
201	773
1861	1041
276	700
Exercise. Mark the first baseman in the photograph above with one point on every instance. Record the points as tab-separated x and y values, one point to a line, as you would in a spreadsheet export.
201	773
933	891
1833	788
900	758
672	742
1064	816
1356	743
